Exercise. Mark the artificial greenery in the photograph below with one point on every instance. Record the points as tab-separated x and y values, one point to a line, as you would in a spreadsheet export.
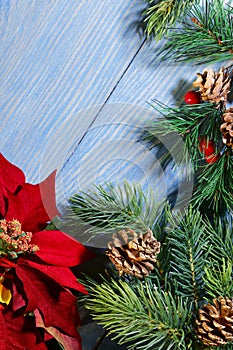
140	315
158	312
190	121
213	187
161	16
107	208
218	272
204	32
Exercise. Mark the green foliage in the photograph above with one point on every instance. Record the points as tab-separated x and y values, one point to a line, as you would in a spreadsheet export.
206	35
218	270
218	279
162	15
108	208
214	187
193	267
143	316
187	120
185	251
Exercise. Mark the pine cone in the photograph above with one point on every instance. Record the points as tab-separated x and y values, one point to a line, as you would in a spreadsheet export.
214	87
215	322
227	127
136	256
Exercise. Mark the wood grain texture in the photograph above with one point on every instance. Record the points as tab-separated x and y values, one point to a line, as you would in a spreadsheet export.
58	58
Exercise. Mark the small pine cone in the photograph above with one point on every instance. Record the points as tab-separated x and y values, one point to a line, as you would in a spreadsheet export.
227	127
214	87
215	322
133	254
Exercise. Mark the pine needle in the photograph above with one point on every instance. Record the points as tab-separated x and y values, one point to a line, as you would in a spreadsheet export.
188	121
214	188
188	246
162	15
142	316
108	208
219	266
206	36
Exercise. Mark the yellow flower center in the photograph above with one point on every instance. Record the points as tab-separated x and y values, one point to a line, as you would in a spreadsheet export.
5	293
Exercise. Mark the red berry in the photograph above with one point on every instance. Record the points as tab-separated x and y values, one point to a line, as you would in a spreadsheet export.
208	148
192	97
212	159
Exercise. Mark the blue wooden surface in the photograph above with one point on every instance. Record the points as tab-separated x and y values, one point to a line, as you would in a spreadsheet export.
76	79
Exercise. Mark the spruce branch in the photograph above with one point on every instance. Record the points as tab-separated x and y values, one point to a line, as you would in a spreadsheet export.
189	121
205	36
187	245
218	279
214	189
143	316
109	208
219	265
161	16
195	123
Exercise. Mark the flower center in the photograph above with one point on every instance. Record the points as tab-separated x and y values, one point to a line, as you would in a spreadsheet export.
14	241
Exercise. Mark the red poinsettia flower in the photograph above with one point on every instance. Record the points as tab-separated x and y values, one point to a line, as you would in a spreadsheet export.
32	205
36	283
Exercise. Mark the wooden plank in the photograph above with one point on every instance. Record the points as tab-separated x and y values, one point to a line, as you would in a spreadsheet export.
58	57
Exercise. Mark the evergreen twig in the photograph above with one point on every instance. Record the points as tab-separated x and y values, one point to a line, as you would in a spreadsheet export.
214	188
143	316
185	252
192	123
206	36
189	121
108	208
161	16
219	267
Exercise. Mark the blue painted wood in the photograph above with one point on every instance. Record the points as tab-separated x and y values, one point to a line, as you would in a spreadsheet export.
58	58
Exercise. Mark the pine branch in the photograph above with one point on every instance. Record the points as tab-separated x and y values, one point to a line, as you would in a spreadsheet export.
214	187
109	208
185	251
162	15
143	316
188	121
192	123
206	36
219	266
218	279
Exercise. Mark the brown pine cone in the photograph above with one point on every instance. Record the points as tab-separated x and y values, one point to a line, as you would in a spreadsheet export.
227	127
133	254
214	87
215	322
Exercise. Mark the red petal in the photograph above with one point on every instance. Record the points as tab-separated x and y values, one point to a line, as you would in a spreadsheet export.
17	300
10	175
59	249
19	332
61	275
34	205
3	200
57	305
69	343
